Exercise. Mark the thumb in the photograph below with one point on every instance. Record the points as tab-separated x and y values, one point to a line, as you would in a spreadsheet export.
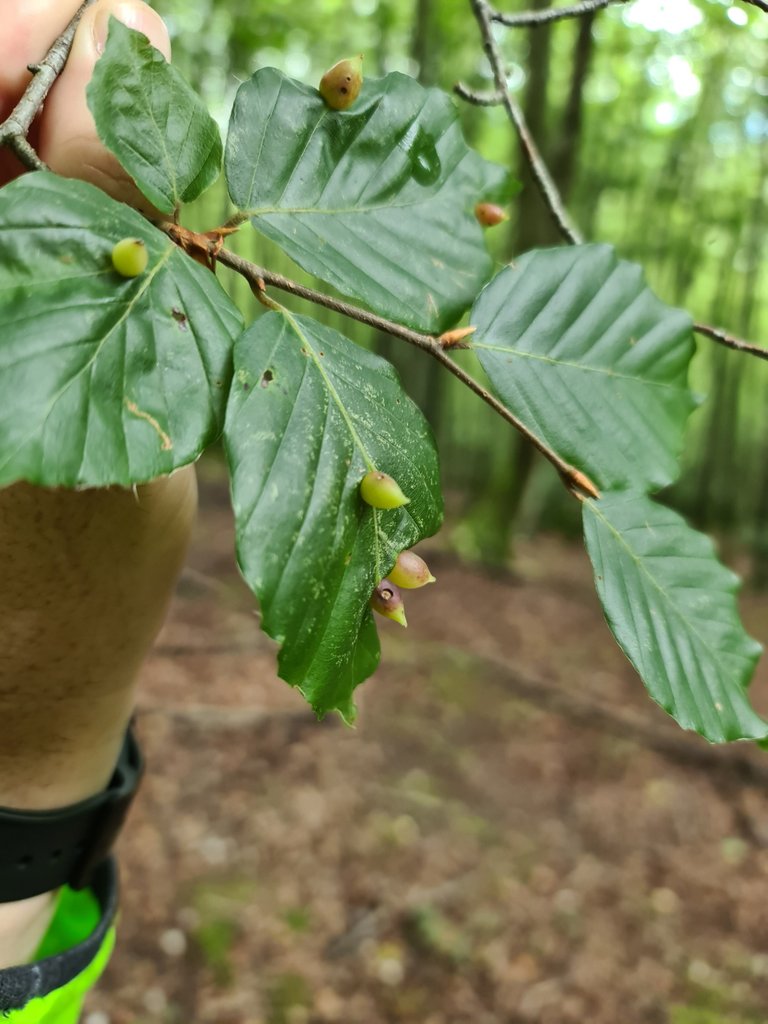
69	143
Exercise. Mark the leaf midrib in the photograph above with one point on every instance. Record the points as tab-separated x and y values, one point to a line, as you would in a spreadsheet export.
667	597
585	367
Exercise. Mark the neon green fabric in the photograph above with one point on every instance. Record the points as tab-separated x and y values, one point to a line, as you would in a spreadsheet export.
77	915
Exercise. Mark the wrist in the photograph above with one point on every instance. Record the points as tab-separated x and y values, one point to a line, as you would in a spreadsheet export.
22	927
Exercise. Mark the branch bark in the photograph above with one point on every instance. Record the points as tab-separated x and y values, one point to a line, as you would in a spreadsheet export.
258	277
723	338
532	19
15	128
492	98
544	181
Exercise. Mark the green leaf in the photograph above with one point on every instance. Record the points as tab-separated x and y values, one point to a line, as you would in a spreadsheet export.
153	121
309	415
671	606
103	379
577	345
376	200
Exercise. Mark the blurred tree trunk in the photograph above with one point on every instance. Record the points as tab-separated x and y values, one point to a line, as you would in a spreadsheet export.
425	52
566	149
755	246
425	42
717	438
535	226
385	19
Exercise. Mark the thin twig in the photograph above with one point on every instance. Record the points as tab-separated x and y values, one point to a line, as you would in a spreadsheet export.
257	277
549	191
723	338
760	4
532	19
14	130
478	99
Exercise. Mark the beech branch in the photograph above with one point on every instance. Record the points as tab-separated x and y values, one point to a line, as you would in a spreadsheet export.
15	128
484	16
532	19
490	98
723	338
259	278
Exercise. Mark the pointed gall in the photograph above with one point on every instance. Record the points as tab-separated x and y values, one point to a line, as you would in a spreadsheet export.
381	491
388	601
410	571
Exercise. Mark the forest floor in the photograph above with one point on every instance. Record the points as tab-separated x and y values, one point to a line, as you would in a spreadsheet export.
495	842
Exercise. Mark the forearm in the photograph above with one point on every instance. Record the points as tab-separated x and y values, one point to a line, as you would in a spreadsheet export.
86	580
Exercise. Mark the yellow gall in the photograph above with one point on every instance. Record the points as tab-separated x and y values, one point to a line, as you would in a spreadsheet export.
340	85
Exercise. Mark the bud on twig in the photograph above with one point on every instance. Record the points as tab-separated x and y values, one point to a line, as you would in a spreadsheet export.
456	337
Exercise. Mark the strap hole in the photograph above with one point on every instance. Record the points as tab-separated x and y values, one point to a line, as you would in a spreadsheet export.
56	855
24	862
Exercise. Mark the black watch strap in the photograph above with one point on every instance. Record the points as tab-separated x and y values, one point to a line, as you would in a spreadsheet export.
43	850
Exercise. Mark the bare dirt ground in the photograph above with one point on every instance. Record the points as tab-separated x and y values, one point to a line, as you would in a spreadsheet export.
480	849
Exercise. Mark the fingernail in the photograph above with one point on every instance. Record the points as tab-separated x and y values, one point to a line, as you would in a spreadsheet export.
130	14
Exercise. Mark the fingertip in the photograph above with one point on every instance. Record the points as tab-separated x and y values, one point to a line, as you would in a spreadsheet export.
69	142
134	14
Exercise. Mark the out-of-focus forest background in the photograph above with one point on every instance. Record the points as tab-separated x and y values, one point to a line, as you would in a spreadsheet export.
514	833
653	117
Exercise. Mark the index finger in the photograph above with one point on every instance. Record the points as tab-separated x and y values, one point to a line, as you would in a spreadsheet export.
69	143
65	135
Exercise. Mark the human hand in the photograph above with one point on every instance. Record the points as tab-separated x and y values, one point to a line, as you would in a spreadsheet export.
64	133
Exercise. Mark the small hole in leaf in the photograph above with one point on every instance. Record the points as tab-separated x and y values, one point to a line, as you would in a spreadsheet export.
180	317
266	378
344	90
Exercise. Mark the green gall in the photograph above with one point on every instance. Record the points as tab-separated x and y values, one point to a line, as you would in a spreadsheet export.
340	85
388	601
410	571
381	491
130	257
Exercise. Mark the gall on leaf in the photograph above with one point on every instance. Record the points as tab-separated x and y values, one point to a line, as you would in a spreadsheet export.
130	257
380	491
388	601
410	571
489	214
340	85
